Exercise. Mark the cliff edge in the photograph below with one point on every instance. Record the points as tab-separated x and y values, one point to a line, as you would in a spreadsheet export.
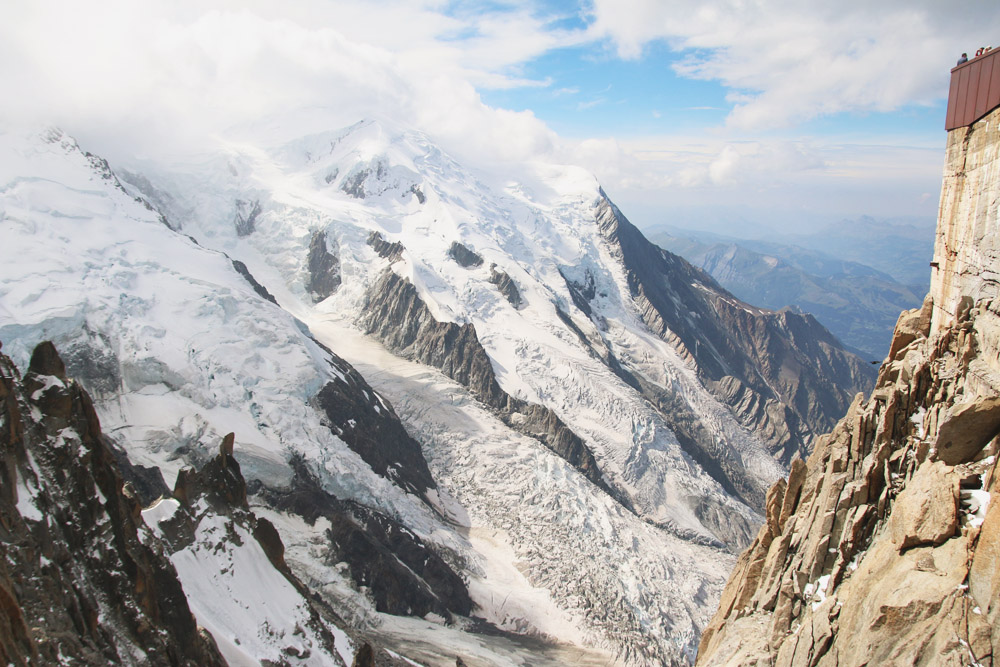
884	548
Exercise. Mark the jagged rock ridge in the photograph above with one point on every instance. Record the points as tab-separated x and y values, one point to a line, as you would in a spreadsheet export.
222	551
883	548
783	374
865	556
76	579
856	303
397	316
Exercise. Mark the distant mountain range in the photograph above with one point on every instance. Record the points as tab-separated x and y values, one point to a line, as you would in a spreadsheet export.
850	288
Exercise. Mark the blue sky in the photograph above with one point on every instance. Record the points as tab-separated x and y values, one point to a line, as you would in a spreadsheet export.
590	91
728	114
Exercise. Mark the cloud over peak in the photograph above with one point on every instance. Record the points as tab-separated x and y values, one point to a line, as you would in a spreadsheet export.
785	62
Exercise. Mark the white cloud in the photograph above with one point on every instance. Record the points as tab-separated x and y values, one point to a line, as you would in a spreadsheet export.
153	75
711	180
785	61
150	76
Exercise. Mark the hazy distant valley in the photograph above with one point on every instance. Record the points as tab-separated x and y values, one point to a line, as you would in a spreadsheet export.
855	278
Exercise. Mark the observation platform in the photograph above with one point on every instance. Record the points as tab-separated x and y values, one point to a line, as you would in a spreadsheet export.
975	90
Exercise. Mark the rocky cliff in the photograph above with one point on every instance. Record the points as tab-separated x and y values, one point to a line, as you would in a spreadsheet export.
857	303
77	577
883	547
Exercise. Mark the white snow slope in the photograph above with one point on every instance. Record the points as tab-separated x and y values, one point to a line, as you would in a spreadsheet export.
199	354
252	611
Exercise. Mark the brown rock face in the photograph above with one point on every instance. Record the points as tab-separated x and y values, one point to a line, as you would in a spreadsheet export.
966	429
984	575
865	555
887	547
926	512
75	580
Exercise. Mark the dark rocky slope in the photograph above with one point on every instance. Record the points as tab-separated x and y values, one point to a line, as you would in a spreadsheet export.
75	580
369	425
323	266
395	314
784	376
403	575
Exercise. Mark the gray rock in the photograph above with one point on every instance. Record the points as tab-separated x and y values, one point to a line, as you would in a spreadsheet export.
464	256
261	291
506	285
390	251
245	217
323	266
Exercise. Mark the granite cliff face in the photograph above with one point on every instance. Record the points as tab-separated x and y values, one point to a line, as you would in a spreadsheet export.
883	548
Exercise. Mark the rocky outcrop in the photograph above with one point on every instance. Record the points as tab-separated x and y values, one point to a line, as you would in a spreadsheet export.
245	216
323	266
783	375
146	482
400	572
389	251
212	516
364	179
369	425
395	314
261	291
882	549
75	578
866	554
506	285
464	256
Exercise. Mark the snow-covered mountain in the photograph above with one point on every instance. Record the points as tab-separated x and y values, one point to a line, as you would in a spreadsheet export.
464	401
